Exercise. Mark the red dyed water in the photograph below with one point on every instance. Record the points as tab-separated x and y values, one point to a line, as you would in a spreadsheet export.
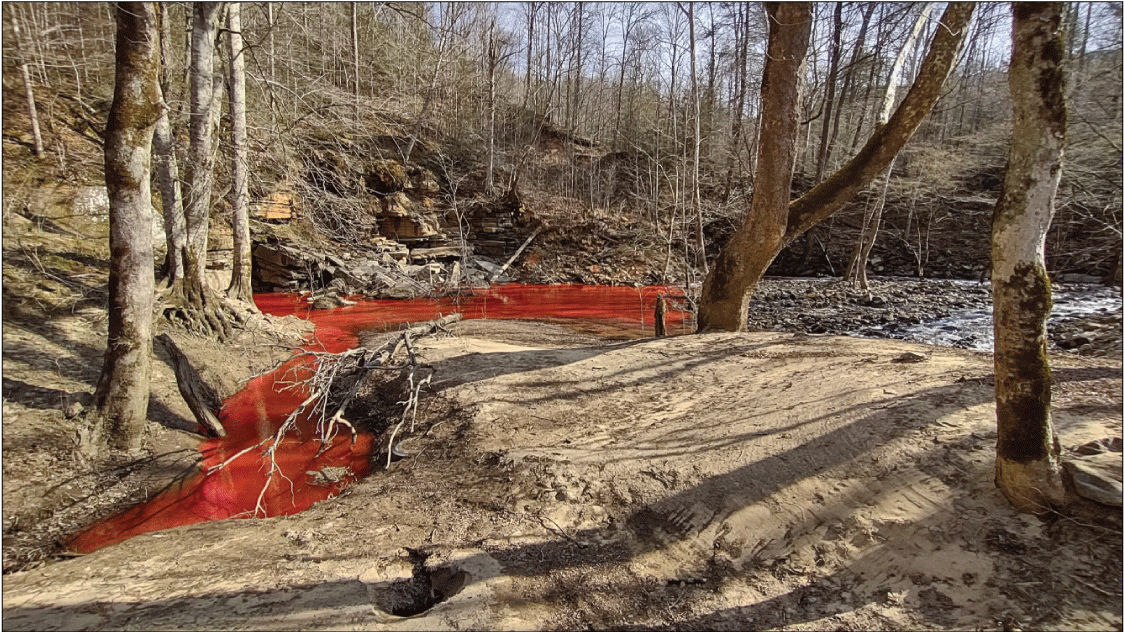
250	483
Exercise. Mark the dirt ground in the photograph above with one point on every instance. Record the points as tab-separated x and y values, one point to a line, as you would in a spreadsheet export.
559	480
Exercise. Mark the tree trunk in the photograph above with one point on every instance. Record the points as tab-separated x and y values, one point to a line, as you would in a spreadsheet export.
429	93
355	56
848	77
728	287
872	220
696	198
201	158
202	399
32	115
167	181
887	140
240	283
532	9
829	98
272	66
752	248
167	170
123	386
1026	467
492	53
741	47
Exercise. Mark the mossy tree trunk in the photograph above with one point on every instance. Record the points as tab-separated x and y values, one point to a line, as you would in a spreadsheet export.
729	286
123	386
759	238
1026	468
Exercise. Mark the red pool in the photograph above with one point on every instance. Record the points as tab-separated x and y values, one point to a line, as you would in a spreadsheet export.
300	470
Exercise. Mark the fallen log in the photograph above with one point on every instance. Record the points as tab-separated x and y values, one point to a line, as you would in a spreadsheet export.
202	398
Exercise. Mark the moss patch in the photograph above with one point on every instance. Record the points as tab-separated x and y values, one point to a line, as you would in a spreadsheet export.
1022	365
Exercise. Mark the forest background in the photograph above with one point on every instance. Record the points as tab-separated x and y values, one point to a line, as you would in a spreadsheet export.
641	111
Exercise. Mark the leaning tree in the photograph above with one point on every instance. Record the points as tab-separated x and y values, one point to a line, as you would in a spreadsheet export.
741	264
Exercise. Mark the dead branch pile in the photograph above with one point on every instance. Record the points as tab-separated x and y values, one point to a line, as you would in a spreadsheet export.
333	384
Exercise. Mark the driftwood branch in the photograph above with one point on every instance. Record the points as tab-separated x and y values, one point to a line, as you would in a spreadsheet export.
515	256
334	372
202	398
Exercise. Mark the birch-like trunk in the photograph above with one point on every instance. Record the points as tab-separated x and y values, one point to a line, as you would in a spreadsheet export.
887	140
240	283
167	170
1026	466
201	155
167	181
123	386
872	219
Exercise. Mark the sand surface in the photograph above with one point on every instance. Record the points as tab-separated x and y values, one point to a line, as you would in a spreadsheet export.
720	481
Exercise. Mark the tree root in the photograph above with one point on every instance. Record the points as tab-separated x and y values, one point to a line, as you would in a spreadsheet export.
204	312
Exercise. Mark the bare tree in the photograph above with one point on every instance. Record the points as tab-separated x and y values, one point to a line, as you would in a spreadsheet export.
1026	465
696	201
449	19
724	300
759	238
355	54
167	169
193	301
240	285
201	158
872	219
123	386
829	98
741	48
32	115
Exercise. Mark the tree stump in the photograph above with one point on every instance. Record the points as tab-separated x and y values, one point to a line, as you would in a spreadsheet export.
661	315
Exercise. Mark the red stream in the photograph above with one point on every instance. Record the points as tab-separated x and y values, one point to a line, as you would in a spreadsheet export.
245	486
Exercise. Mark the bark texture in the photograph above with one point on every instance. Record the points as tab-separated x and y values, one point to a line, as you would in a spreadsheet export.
167	169
752	248
32	114
202	399
240	283
1027	469
167	181
123	387
201	158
